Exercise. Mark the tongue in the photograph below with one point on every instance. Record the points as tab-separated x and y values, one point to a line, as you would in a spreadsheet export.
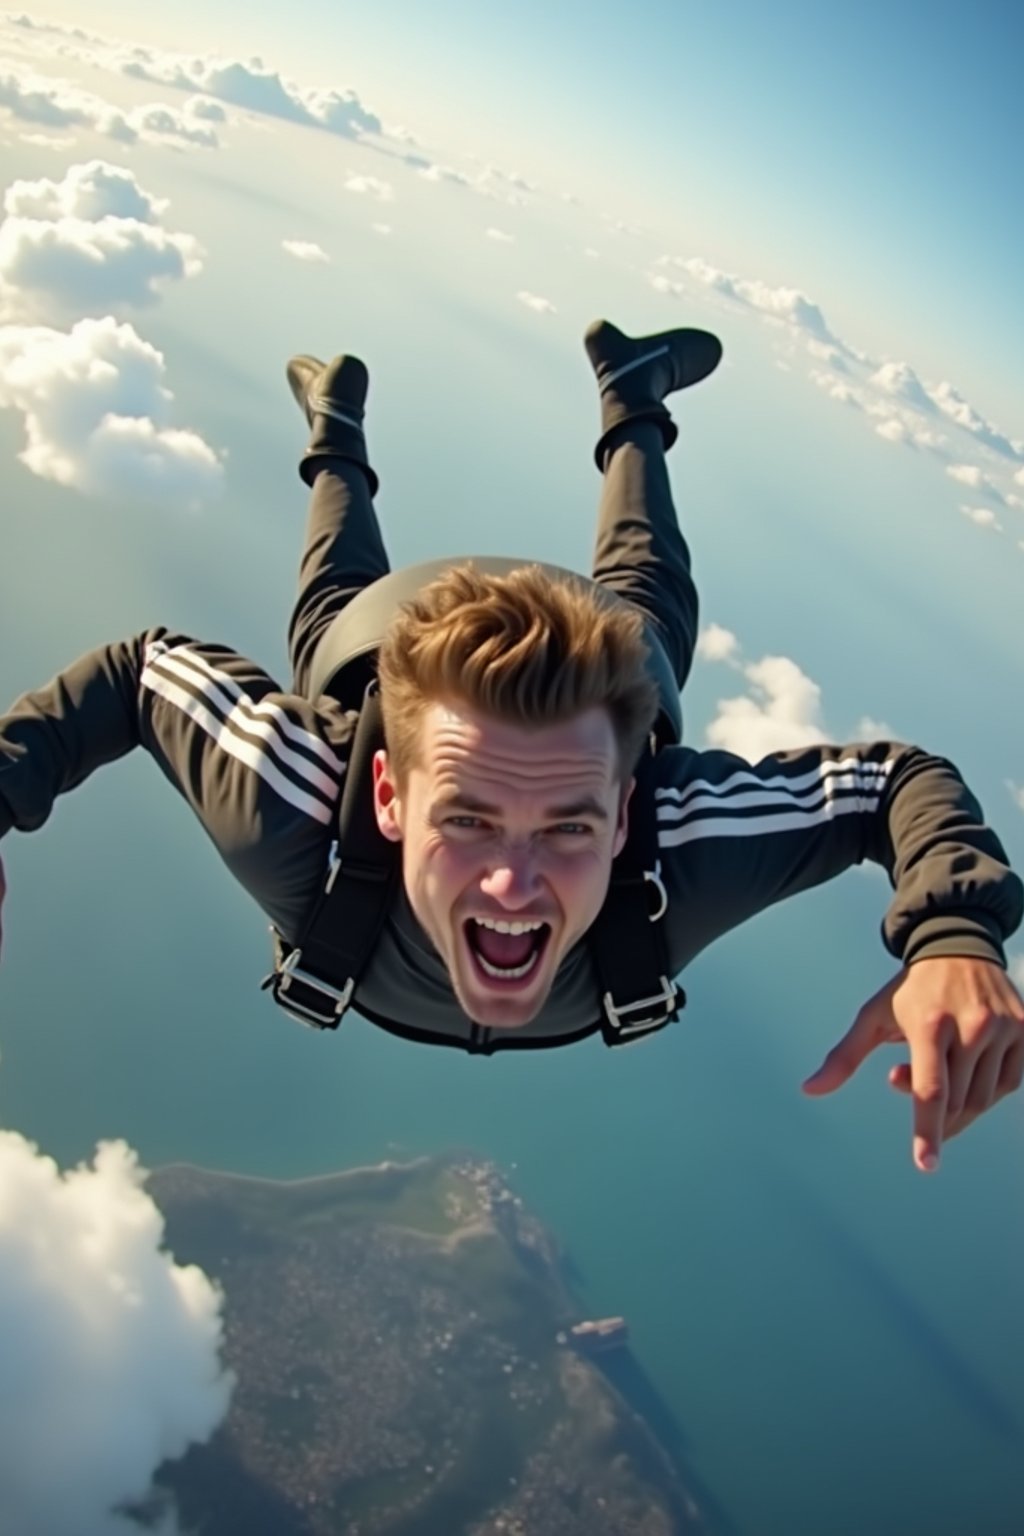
504	949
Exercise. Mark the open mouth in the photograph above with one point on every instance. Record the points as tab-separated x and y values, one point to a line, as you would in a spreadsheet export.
504	959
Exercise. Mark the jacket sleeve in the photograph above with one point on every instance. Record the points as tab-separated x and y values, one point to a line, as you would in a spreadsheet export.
736	837
260	769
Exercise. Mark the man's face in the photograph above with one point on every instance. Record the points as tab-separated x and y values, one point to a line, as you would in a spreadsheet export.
504	825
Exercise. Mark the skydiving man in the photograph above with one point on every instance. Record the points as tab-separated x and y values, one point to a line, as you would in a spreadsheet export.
472	819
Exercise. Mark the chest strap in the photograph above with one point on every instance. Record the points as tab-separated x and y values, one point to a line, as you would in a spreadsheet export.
316	979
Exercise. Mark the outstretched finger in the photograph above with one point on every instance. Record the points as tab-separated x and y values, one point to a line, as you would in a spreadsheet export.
929	1077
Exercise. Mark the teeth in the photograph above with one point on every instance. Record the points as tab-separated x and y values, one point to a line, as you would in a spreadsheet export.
512	974
502	927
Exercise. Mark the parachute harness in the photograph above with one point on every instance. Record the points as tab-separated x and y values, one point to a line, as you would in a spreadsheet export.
316	980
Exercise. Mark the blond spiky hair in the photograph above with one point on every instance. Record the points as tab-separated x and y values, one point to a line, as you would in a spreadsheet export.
525	648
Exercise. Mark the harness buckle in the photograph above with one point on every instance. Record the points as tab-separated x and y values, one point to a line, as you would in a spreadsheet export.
626	1031
307	1012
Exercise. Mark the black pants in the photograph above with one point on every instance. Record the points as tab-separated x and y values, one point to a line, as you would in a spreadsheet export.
640	552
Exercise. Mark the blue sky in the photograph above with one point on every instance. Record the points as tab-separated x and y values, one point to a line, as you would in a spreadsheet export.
836	193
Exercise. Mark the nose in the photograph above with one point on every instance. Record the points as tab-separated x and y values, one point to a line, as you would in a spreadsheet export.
512	879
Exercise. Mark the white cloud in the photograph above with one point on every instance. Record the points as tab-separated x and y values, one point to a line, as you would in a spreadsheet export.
206	109
34	98
783	711
155	122
506	186
715	643
535	302
1015	965
371	186
444	173
305	250
591	254
953	405
966	474
789	306
825	352
837	389
55	103
1017	791
89	241
971	475
398	133
96	414
500	236
252	87
339	112
934	442
93	190
110	1349
984	517
899	379
893	430
381	229
1018	478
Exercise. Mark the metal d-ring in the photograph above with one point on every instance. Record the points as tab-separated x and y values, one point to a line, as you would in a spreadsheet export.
654	876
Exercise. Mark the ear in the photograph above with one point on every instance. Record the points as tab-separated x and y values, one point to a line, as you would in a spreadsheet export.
622	828
385	798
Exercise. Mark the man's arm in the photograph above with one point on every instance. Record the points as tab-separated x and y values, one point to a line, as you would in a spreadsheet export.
260	769
737	837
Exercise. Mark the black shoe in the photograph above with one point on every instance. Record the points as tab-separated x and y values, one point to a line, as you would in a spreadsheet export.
332	397
635	373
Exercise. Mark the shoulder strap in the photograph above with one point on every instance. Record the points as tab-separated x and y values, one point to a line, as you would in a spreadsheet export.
315	980
627	940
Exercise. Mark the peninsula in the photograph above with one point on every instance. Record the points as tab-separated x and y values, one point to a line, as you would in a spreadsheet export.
402	1341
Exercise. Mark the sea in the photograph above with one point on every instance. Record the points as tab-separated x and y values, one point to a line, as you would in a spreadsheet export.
830	1341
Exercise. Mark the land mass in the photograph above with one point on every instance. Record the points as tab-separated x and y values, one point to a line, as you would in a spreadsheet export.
400	1341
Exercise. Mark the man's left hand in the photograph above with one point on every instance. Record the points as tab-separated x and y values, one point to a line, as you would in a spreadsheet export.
963	1021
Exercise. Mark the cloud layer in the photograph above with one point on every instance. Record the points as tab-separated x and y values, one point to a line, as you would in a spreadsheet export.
901	407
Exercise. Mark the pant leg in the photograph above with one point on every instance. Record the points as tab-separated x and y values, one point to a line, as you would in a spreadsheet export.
640	551
343	553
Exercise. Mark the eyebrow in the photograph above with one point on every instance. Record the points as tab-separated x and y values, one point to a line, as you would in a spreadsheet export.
587	806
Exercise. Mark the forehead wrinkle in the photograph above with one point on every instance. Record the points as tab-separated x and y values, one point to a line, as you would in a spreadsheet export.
512	771
457	748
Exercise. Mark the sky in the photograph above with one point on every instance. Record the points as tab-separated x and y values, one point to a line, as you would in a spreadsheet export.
454	192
